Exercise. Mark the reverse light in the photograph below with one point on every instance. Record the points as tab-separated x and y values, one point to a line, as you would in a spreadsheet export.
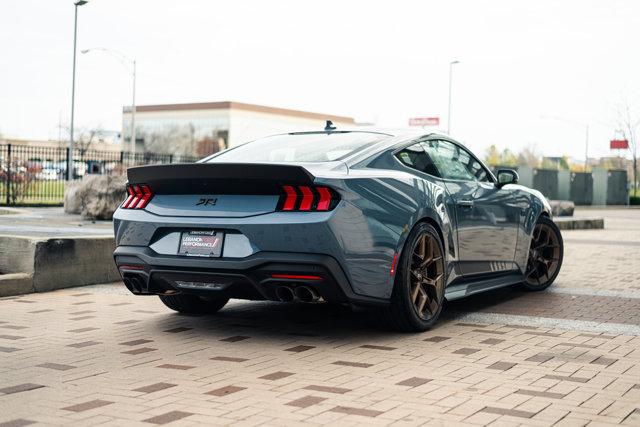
138	196
307	198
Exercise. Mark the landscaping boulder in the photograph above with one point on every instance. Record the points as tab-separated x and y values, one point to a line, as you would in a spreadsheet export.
72	199
562	207
95	196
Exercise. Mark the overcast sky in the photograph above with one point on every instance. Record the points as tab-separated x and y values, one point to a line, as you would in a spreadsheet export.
382	61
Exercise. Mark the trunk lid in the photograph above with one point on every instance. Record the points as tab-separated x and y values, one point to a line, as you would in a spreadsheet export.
217	190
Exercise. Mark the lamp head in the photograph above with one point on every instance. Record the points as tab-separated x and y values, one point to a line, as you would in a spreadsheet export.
81	2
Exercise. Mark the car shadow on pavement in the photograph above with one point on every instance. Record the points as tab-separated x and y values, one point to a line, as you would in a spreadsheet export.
485	301
273	321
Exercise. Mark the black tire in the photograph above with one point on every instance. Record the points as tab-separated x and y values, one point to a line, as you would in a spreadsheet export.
191	304
402	314
538	274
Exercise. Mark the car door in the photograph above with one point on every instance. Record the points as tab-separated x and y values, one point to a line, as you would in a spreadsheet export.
487	217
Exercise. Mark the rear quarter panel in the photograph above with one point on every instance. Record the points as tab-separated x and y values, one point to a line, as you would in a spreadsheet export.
377	212
532	204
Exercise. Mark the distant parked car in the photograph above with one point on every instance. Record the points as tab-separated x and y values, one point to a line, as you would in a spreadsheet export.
48	174
396	221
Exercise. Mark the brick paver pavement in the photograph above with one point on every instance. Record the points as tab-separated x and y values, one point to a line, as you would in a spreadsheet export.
569	356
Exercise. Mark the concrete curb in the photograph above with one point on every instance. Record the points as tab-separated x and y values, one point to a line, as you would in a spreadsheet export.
56	263
16	284
11	210
579	223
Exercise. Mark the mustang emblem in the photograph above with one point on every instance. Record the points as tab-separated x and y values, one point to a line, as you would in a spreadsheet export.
207	202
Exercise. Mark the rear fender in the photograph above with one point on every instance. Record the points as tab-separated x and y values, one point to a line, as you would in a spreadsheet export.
374	220
532	204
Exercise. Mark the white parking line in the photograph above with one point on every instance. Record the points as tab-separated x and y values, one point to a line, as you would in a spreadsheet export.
546	322
594	292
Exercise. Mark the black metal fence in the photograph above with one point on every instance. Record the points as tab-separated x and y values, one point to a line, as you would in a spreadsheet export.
36	175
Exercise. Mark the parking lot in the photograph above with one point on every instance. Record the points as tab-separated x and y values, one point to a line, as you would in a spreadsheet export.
567	356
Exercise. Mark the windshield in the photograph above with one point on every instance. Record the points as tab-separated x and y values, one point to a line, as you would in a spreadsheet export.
309	147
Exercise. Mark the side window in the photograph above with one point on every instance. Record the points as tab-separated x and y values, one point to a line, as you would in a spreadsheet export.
479	171
455	162
415	157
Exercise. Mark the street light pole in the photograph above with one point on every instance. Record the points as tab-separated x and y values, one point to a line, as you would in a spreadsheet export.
586	148
451	64
70	164
124	58
133	113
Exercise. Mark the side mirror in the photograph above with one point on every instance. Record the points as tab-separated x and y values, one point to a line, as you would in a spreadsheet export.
507	176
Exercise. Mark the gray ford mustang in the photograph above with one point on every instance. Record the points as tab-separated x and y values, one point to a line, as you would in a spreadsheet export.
401	222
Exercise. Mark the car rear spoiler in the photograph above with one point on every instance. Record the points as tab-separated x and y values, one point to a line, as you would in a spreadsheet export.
232	177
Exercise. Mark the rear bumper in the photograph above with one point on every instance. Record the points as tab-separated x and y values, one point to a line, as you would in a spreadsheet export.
147	273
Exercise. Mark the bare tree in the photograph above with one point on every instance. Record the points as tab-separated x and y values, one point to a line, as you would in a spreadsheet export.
627	123
85	137
529	156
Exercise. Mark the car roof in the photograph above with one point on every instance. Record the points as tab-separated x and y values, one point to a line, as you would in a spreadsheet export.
395	133
396	136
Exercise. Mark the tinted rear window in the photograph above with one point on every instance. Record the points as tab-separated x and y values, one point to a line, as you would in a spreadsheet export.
314	147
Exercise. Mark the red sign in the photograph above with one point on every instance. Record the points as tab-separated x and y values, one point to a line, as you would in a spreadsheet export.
424	121
619	144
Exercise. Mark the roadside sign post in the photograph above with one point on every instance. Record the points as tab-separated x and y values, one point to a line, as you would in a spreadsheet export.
424	121
619	144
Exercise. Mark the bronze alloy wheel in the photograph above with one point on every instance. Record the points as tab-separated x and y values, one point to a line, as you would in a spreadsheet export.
418	291
545	255
426	277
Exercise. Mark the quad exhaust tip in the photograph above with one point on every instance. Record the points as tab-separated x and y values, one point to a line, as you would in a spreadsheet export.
284	294
301	293
306	294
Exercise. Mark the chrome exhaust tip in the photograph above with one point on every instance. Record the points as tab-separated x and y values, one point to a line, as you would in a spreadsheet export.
306	294
284	294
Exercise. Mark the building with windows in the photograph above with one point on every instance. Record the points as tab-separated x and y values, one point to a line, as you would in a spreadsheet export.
200	129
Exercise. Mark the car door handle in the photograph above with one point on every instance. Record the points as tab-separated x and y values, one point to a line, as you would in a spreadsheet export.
465	203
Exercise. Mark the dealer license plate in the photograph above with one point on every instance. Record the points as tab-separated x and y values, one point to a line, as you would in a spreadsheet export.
203	243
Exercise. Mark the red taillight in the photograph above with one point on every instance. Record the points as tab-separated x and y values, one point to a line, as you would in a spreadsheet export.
296	276
126	203
325	199
307	198
290	200
131	267
139	196
146	196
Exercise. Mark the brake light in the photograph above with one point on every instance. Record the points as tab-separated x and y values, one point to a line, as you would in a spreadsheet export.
307	198
296	276
290	200
139	196
325	199
131	267
146	196
127	202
